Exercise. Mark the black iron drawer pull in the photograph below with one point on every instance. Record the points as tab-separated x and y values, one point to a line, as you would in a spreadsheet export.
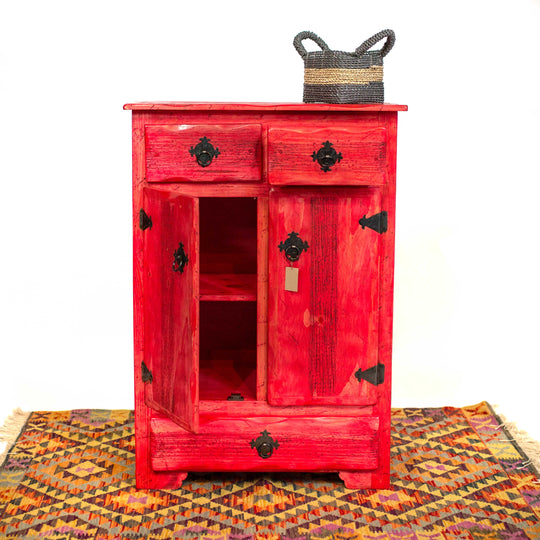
204	152
264	444
327	156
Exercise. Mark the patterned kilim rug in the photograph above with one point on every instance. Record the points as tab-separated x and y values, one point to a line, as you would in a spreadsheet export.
455	475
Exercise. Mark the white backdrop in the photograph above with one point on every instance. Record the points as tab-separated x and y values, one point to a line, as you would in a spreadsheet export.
466	289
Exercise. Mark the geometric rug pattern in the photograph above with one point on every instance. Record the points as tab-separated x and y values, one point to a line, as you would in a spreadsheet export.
455	475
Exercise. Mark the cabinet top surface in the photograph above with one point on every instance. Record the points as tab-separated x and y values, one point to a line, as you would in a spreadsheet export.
285	107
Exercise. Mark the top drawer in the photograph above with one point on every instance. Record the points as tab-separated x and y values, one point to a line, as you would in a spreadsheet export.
327	156
203	153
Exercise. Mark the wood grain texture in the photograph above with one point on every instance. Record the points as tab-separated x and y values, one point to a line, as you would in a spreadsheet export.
262	297
290	155
322	396
168	157
145	476
228	287
381	477
171	309
322	334
305	444
228	409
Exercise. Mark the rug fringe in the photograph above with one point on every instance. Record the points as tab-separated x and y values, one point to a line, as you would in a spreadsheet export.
529	445
11	429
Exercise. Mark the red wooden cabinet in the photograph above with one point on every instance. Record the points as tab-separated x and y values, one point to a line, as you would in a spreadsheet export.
263	276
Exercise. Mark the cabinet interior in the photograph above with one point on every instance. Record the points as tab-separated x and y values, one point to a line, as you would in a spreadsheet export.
228	294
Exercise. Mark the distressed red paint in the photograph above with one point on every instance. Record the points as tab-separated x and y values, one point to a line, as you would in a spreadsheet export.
225	325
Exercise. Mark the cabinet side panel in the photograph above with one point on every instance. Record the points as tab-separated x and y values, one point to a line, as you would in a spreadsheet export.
145	477
382	474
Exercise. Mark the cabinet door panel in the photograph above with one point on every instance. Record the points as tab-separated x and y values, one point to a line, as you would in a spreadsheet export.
171	314
321	335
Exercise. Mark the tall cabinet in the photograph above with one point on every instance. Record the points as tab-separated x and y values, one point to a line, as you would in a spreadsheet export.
263	278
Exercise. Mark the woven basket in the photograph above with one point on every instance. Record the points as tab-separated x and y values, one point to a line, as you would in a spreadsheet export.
341	77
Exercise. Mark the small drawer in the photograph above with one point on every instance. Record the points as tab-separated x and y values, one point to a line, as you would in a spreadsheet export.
203	153
267	444
327	156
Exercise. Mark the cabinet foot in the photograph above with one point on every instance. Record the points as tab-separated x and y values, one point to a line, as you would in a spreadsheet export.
364	480
161	480
356	480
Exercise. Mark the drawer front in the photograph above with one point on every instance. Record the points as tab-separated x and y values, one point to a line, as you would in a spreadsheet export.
203	153
267	444
346	156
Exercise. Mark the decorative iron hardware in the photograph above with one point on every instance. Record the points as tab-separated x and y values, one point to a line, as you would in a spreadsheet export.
327	156
146	373
293	247
204	152
145	221
377	222
373	375
180	259
264	444
236	396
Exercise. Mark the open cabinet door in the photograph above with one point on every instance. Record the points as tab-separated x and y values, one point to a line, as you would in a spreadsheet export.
171	310
323	329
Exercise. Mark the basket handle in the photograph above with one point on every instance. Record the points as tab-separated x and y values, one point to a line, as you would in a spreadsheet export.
390	40
297	42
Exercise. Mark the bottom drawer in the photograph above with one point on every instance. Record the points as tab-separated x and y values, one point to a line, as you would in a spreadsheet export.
267	444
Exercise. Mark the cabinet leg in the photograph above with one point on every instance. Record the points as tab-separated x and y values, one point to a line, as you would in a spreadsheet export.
356	480
364	480
161	480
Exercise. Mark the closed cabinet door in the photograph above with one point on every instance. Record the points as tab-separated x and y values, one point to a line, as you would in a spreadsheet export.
324	252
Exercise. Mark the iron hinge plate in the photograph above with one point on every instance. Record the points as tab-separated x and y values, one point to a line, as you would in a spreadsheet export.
146	374
145	221
373	375
377	222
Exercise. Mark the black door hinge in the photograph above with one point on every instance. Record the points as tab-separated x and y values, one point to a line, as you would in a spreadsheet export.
373	375
377	222
145	221
146	373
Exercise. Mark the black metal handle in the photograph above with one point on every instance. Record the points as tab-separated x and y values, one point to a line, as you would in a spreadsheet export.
180	259
327	156
204	152
293	246
264	444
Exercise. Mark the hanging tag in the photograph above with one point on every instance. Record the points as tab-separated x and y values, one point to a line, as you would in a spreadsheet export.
291	279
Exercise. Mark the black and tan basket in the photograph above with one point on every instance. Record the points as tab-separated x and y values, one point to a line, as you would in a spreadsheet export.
341	77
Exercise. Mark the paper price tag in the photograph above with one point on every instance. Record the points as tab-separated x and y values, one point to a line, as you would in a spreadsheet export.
291	279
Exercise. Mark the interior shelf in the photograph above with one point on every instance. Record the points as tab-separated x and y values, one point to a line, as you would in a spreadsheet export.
228	287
